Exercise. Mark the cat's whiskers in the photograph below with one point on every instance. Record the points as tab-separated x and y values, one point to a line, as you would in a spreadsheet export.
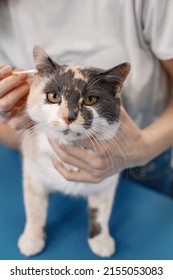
117	166
105	145
110	134
124	129
36	129
96	135
98	131
20	133
118	120
123	133
115	144
55	123
90	136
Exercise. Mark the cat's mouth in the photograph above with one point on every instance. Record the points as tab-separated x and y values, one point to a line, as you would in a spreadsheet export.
68	131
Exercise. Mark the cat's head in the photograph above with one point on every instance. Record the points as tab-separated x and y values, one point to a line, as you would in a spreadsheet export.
73	102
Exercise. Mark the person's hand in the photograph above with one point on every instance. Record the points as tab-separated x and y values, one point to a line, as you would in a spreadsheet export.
101	159
13	93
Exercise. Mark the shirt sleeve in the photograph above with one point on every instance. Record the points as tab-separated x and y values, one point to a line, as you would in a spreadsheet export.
158	27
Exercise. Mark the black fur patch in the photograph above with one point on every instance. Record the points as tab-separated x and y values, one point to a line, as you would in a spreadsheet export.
88	117
94	227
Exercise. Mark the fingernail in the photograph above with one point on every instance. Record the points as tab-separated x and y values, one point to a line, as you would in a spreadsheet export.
5	70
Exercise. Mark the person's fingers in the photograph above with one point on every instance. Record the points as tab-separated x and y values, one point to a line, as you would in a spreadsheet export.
11	82
66	158
89	144
78	176
8	101
5	71
97	167
86	157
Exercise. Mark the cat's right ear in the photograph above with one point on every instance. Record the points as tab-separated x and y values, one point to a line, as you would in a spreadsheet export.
43	63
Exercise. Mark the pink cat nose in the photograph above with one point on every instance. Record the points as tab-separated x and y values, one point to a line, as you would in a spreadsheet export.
71	117
69	120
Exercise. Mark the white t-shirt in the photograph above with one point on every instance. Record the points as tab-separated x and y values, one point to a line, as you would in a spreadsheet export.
100	33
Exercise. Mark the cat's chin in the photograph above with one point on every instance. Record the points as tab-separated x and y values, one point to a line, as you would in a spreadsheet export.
66	137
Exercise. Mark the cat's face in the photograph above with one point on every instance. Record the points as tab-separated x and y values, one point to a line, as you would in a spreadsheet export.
71	102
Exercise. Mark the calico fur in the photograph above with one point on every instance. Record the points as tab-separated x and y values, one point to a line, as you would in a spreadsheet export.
67	121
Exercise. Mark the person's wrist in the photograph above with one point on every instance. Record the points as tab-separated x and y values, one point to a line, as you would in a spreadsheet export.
144	150
141	154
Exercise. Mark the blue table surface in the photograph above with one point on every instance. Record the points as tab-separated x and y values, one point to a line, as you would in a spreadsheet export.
141	222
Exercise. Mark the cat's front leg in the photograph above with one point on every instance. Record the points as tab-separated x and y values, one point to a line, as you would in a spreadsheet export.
32	240
99	207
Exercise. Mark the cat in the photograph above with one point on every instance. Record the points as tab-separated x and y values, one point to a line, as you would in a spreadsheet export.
68	103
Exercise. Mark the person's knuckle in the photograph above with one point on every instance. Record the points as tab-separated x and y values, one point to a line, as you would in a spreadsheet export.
98	163
63	157
11	80
102	152
26	87
97	173
102	163
95	163
4	104
14	126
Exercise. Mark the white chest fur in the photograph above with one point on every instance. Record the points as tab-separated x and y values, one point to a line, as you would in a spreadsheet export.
38	155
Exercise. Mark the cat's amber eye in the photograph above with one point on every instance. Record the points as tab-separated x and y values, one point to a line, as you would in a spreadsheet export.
90	100
53	98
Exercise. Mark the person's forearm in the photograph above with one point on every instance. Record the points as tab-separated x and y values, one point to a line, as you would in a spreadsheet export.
159	135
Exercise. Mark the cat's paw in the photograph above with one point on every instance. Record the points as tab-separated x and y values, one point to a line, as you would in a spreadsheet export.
103	246
30	245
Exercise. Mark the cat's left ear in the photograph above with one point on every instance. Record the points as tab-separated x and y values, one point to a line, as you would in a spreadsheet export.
43	63
117	75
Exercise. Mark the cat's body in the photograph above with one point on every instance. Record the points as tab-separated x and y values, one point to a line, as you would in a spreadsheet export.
66	104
